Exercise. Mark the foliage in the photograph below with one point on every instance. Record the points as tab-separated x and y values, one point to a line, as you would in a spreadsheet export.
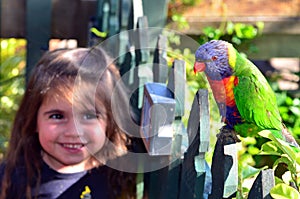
235	33
176	7
288	184
12	83
289	108
185	2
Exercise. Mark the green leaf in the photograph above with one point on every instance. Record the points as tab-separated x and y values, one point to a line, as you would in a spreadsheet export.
260	26
270	148
298	158
246	159
278	180
253	150
271	134
249	171
248	140
98	33
296	102
283	109
295	110
284	191
291	151
245	31
230	28
289	101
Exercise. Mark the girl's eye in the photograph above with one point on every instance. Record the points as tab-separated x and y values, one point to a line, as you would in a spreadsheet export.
90	116
56	116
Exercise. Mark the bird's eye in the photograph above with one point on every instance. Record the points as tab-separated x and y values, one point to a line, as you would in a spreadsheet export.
214	58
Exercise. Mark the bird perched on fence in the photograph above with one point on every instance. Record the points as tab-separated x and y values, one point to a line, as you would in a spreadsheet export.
245	100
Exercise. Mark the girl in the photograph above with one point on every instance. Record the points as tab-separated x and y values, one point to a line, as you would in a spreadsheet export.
66	129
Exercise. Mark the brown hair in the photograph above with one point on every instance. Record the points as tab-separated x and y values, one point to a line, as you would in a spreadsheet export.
81	69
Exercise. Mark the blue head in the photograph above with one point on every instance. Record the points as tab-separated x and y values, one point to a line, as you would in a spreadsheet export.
212	58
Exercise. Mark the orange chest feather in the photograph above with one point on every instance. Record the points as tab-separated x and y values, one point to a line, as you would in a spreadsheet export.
223	90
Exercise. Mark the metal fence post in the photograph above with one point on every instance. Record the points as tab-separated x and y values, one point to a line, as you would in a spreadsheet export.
38	31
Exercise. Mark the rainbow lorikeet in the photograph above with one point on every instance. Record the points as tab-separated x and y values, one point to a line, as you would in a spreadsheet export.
245	100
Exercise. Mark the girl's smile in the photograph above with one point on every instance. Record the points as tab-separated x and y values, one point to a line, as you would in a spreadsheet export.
69	138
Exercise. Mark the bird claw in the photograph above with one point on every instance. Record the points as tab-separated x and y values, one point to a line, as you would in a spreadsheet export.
228	136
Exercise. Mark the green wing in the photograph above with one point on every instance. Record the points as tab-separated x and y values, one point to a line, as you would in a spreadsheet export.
255	101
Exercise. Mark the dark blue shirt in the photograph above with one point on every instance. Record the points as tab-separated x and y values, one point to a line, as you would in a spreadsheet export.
92	184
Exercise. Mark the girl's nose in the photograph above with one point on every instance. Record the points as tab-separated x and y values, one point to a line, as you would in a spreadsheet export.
73	128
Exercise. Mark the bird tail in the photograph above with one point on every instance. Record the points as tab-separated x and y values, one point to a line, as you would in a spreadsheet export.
288	137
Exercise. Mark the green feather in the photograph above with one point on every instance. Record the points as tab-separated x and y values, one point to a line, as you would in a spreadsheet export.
262	112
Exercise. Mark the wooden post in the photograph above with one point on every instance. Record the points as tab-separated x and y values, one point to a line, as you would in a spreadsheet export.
225	165
114	21
125	13
113	26
194	166
176	84
156	181
174	169
103	8
160	67
142	45
144	70
262	185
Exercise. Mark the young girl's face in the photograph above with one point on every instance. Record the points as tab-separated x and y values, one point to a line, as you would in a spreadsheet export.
69	139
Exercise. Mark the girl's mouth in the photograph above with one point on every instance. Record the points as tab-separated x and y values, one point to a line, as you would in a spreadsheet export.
73	145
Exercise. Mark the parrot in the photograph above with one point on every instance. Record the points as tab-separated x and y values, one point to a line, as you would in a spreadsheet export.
246	102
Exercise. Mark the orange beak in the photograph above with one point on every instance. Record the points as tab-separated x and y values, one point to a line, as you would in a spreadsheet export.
199	67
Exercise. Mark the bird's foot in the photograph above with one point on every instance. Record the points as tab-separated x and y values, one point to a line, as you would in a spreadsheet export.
228	135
